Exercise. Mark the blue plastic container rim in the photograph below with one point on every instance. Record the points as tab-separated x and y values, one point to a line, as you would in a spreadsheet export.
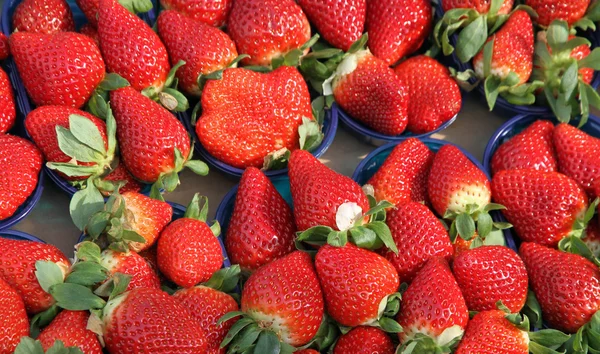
19	235
25	208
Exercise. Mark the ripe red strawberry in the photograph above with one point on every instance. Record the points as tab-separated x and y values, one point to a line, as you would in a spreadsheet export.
78	67
267	29
129	55
532	148
550	10
397	27
489	274
364	340
566	285
203	48
274	105
481	6
211	12
20	165
592	237
7	103
306	351
188	250
318	191
150	217
461	245
131	320
369	91
14	323
131	263
70	327
340	23
542	206
17	268
261	228
4	48
586	74
432	306
403	176
355	282
91	32
43	16
434	96
121	175
207	306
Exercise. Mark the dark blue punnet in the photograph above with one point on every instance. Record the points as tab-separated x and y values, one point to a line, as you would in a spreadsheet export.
25	208
370	164
19	235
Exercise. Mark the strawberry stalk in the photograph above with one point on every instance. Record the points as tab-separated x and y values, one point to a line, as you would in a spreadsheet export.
475	224
31	346
167	95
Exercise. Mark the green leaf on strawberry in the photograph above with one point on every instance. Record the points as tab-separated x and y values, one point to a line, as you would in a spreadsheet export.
31	346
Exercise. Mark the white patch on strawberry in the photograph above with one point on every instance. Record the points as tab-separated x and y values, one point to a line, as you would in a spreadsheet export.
347	66
111	306
64	268
449	334
96	325
469	194
368	189
525	337
347	214
275	323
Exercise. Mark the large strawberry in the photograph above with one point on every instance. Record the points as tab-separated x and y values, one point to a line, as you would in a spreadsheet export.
7	103
132	264
76	71
4	47
70	327
211	12
14	323
130	324
364	340
340	23
433	312
261	228
267	29
544	207
43	16
532	148
91	32
550	10
489	274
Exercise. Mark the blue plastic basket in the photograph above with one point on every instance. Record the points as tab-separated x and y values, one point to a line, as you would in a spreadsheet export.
19	235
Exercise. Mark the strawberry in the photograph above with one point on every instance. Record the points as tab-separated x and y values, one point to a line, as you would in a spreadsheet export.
592	237
130	325
91	32
364	340
397	28
532	148
78	67
355	283
461	245
340	23
433	312
578	53
481	6
20	165
188	250
43	16
130	263
150	217
8	112
489	274
70	327
149	255
274	103
306	351
18	267
434	96
203	48
14	323
261	228
210	12
4	47
121	175
544	207
550	10
419	235
402	177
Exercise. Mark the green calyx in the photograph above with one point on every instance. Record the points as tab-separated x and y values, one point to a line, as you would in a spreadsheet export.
98	102
137	6
31	346
591	18
168	95
167	182
422	343
587	338
225	279
573	242
198	210
295	56
476	225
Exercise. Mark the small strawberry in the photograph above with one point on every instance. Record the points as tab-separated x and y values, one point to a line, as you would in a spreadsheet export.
43	16
8	112
188	250
210	12
550	10
578	53
364	340
261	228
130	263
120	175
150	217
307	351
489	274
91	32
4	47
433	312
481	6
77	67
267	29
14	323
544	207
532	148
70	327
403	176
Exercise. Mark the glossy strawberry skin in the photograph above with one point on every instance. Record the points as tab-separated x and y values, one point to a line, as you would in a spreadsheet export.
43	16
91	32
207	306
397	27
131	263
373	95
149	320
340	23
318	191
129	55
481	6
8	112
203	48
550	10
70	327
532	148
148	135
354	282
489	274
489	332
211	12
151	216
586	74
14	323
261	228
78	67
403	176
364	340
434	96
566	285
274	104
287	291
17	268
542	206
4	47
